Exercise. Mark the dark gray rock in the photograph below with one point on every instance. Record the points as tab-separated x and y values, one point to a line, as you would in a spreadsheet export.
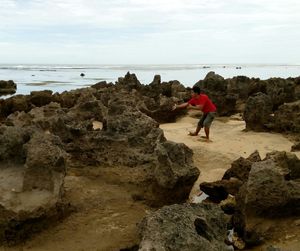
296	147
184	227
272	248
215	87
219	190
13	104
40	98
12	140
129	82
241	167
7	87
174	172
287	117
272	190
32	189
232	180
244	86
280	91
45	163
257	114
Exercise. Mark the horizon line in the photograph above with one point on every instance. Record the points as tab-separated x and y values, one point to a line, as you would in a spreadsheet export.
158	64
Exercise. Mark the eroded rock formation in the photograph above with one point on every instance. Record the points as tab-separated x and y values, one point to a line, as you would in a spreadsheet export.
187	227
264	189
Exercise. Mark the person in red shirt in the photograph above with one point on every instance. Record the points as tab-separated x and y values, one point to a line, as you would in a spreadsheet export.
200	102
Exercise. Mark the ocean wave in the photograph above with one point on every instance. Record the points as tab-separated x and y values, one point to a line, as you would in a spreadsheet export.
44	67
129	67
104	67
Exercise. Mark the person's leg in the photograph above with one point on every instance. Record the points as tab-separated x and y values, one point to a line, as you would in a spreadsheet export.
195	133
199	126
206	129
207	123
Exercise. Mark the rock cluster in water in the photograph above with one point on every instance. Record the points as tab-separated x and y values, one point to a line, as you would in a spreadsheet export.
7	87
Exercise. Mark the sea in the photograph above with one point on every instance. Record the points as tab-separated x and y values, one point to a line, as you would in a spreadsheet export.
59	78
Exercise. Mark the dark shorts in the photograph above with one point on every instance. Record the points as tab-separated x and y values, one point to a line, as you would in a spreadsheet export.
206	119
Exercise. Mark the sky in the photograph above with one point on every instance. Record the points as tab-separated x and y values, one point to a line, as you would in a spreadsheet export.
150	31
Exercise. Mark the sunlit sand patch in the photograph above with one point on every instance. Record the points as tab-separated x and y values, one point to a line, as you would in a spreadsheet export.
97	125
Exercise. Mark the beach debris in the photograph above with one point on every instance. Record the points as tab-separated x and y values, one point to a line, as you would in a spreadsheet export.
238	242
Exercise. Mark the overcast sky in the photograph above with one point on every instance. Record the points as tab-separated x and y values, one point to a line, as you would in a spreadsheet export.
150	31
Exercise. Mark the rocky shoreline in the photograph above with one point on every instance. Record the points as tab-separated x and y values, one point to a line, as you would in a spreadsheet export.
43	135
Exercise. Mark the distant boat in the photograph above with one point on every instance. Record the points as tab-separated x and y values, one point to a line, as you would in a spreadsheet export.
238	67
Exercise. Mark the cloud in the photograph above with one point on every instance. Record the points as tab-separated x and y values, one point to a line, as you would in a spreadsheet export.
209	29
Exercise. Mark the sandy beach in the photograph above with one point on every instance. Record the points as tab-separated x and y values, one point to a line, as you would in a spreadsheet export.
229	142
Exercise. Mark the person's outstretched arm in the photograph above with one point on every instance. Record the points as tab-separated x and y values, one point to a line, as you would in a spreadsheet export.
183	105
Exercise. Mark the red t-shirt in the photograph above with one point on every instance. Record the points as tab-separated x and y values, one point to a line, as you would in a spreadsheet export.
203	100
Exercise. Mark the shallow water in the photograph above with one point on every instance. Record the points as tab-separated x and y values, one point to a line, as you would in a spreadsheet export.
59	78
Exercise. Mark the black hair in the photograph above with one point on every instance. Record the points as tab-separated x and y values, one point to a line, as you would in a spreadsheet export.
196	89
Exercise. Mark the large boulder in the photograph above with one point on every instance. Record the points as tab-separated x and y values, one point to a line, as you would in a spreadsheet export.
174	172
45	163
13	104
243	86
258	111
280	91
215	86
241	167
161	109
129	82
296	147
40	98
158	98
287	117
297	88
12	140
232	180
219	190
272	190
187	227
32	190
130	138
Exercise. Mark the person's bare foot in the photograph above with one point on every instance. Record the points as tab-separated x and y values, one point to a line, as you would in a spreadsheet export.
203	137
192	134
